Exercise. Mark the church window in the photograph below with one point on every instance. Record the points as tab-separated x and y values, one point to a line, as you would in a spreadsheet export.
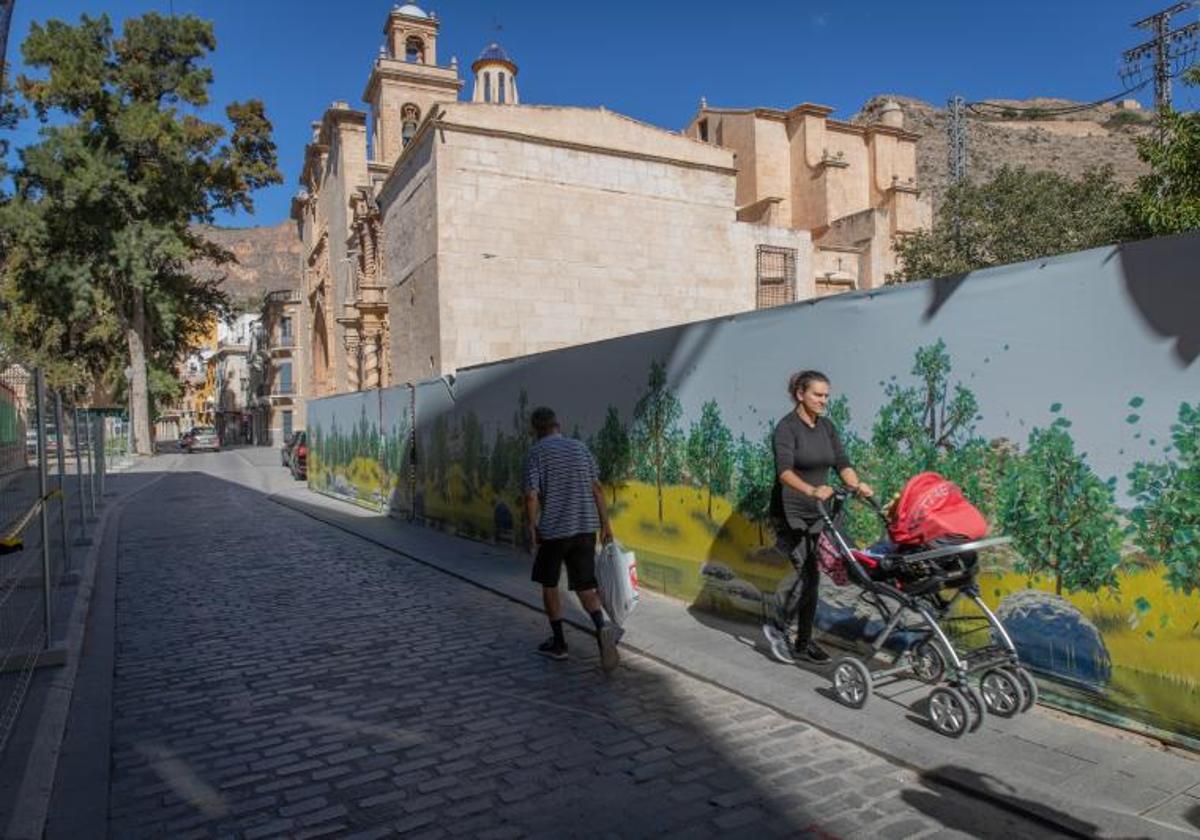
500	81
487	87
702	130
414	50
776	276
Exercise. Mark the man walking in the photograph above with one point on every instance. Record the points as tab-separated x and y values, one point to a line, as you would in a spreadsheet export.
564	506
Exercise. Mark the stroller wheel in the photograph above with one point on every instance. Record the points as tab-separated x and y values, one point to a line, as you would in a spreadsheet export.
851	682
978	706
928	664
1026	680
1002	692
949	711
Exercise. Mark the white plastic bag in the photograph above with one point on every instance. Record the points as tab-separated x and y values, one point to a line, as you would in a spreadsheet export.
616	573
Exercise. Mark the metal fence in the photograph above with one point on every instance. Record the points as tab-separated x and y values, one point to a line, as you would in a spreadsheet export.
54	459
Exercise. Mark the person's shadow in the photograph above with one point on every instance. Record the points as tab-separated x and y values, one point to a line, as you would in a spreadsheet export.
942	798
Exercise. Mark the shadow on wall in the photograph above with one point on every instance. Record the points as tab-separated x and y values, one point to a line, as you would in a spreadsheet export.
1163	281
940	291
943	800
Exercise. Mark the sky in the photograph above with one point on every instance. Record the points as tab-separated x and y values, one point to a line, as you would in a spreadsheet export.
653	60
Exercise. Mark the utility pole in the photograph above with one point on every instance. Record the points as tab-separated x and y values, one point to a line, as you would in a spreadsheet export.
1164	55
956	140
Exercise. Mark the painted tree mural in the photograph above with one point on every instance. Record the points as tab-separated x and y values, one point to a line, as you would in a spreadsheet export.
613	450
755	480
710	452
657	438
1166	521
1061	516
474	455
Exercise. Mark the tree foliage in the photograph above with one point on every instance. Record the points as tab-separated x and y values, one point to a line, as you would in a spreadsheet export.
1015	216
1061	516
1166	520
755	480
98	239
657	438
1167	199
710	454
613	451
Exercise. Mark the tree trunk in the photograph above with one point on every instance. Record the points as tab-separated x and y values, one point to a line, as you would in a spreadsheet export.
1058	585
614	493
710	501
139	400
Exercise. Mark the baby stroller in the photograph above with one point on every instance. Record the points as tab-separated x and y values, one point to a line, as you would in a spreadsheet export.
921	572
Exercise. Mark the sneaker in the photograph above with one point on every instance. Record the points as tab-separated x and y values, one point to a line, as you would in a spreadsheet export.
780	648
812	652
606	636
553	650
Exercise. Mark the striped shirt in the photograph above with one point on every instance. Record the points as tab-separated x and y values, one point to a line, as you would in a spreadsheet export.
561	470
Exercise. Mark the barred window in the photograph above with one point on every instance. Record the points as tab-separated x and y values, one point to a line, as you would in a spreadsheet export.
776	276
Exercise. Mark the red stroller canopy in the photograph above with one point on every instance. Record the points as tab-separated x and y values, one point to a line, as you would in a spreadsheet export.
932	508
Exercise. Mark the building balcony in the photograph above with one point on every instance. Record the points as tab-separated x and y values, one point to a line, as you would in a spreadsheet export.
283	389
283	344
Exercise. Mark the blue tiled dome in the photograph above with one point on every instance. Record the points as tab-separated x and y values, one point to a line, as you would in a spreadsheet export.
494	52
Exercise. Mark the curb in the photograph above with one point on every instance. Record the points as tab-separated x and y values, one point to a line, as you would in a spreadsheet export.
32	807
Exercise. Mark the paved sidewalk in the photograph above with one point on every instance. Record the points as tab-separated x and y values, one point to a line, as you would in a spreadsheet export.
278	676
1084	778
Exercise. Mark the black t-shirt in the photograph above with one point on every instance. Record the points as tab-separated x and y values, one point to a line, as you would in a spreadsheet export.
811	452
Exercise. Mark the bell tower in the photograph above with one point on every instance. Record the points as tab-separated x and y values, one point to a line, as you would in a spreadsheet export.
406	80
495	77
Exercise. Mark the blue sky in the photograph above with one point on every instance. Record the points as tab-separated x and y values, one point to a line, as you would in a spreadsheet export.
654	61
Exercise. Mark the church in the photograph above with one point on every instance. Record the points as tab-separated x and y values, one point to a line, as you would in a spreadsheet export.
441	230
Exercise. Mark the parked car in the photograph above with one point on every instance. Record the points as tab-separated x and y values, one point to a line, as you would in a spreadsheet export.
298	459
204	437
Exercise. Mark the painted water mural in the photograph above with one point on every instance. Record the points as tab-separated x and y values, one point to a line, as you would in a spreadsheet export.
1063	396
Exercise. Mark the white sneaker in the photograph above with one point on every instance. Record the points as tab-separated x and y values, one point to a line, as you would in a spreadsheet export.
607	637
780	648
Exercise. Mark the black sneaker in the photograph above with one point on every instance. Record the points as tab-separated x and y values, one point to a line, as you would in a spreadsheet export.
812	652
606	637
553	650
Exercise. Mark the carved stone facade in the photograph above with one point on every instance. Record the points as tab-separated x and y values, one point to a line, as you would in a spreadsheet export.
440	233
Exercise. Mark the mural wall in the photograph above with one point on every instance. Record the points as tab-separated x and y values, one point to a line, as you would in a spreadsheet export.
354	453
1063	395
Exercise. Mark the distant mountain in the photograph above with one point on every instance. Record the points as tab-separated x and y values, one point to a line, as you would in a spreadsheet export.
1071	145
268	258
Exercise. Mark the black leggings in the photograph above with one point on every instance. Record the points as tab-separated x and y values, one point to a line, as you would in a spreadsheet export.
800	605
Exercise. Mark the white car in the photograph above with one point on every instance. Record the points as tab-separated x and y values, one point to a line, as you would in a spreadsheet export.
204	437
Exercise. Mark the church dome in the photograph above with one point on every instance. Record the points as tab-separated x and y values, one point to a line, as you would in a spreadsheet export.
411	10
494	52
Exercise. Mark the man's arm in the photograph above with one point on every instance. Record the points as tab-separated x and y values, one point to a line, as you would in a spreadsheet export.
532	513
606	533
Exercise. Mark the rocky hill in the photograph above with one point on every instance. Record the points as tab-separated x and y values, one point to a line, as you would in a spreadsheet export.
268	259
1071	144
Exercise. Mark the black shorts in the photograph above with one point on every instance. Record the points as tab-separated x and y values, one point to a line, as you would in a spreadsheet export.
577	552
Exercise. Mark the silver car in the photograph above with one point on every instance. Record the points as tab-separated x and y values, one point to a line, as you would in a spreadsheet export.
204	437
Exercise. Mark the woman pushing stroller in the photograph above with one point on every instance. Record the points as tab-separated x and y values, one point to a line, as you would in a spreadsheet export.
807	447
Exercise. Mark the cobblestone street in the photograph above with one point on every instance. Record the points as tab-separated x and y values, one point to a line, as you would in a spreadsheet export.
277	676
